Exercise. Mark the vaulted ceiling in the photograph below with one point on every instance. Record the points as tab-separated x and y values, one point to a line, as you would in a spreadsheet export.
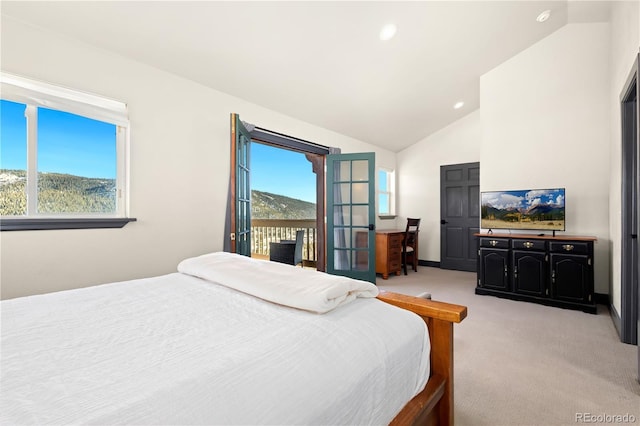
323	62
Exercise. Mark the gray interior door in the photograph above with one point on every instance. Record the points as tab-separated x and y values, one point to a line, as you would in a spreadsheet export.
629	315
459	216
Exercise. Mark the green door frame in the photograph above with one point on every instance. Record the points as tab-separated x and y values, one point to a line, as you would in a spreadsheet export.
240	188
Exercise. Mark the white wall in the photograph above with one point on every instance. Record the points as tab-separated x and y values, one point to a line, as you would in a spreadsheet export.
419	176
179	167
546	123
543	122
625	42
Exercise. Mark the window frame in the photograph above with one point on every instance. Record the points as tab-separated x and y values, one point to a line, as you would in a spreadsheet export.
36	94
391	193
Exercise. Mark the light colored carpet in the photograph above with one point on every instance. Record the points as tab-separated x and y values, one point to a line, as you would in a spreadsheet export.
518	363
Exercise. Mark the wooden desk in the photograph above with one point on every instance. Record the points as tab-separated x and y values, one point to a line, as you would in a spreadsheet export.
389	251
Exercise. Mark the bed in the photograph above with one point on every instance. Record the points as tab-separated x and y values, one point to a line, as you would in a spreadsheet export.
227	340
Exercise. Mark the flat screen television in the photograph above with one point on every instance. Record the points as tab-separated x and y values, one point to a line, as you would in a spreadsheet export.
527	209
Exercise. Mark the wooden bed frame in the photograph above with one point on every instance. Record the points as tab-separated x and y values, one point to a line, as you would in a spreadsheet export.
434	405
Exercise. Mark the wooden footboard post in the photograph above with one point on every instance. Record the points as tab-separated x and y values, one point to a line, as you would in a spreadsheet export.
441	335
434	405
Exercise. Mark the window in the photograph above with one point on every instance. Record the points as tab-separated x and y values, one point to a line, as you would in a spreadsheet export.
386	193
62	157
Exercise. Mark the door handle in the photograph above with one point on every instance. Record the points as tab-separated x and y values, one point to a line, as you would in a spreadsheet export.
634	236
372	227
443	222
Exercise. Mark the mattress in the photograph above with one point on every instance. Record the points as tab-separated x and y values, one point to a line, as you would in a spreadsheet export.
177	349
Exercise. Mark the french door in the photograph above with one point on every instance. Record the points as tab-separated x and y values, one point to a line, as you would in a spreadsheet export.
351	215
350	207
240	188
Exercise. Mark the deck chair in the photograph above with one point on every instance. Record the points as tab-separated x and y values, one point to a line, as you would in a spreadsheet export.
288	251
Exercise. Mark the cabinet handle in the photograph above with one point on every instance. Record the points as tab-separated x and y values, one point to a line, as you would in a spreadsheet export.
568	247
553	276
505	271
515	273
493	243
527	244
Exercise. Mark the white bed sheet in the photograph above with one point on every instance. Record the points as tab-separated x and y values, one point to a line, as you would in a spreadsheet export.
176	349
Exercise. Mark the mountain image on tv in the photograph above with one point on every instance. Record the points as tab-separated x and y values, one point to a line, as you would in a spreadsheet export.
539	209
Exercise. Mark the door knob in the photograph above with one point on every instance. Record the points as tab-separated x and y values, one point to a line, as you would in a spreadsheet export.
442	222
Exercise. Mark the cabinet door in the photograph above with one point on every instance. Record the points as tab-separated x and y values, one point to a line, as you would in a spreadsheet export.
570	278
494	271
529	273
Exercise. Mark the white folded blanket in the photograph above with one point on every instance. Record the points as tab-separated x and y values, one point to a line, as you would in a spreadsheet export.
277	282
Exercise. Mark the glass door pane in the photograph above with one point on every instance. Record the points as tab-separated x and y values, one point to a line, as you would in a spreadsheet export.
351	224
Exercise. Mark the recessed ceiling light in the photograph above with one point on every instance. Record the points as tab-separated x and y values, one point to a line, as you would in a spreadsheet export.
458	105
387	32
543	16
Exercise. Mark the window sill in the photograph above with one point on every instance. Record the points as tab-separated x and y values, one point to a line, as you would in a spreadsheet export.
33	224
386	217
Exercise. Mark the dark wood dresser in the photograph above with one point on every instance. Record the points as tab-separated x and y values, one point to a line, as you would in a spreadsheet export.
554	271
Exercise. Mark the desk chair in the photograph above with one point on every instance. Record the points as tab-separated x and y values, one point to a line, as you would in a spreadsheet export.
409	244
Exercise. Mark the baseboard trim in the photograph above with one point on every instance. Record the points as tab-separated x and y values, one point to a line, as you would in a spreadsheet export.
429	263
617	321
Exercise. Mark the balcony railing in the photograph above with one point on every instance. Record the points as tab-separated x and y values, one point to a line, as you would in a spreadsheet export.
265	231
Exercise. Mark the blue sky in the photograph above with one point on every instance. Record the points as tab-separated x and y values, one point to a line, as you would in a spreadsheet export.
282	172
67	143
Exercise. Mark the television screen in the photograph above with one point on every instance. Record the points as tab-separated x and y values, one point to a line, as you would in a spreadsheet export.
535	209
